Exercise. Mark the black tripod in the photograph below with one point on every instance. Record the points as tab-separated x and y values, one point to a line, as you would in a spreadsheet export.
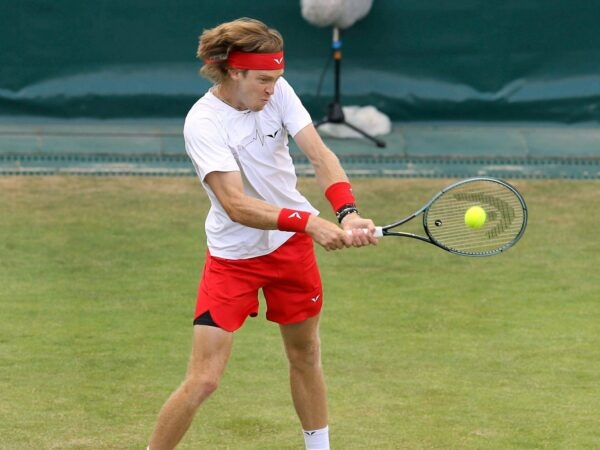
335	114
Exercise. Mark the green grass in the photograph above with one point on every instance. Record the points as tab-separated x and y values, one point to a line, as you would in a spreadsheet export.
422	349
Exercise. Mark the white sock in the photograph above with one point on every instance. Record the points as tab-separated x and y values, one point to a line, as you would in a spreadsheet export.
317	439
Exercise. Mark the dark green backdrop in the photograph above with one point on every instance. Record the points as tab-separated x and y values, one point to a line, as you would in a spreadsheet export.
534	60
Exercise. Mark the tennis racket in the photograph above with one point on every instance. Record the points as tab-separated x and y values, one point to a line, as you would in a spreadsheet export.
445	225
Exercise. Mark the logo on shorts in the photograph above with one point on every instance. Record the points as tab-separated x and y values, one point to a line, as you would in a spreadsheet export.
316	298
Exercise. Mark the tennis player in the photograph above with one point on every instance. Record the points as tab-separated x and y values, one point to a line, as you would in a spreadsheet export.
260	229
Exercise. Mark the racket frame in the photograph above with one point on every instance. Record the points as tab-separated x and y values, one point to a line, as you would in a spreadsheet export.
386	230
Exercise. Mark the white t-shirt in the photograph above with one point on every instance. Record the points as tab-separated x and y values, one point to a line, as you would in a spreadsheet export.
221	138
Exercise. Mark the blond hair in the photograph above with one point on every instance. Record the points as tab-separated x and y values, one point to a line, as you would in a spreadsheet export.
244	34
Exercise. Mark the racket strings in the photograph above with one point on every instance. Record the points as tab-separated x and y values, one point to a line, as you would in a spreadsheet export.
505	218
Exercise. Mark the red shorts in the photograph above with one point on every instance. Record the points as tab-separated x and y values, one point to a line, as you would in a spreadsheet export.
289	278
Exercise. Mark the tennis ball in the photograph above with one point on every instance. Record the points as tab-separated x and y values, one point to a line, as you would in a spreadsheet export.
475	217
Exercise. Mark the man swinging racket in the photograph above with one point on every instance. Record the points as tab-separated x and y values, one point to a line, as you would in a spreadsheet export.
260	229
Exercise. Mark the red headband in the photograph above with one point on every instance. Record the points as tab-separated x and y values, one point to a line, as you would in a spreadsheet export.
253	61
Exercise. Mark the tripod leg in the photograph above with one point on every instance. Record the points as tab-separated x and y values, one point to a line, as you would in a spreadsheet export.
335	114
377	141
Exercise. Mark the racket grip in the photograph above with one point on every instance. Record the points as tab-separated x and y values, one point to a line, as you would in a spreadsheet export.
378	232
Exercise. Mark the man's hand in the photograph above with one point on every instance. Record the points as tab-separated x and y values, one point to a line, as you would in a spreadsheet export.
362	230
327	234
332	237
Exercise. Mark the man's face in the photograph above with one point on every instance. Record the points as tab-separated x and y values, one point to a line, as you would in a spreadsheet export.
255	87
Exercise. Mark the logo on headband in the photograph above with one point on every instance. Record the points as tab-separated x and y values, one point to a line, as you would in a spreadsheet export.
255	61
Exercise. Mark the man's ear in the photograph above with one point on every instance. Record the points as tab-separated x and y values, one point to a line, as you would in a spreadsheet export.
235	74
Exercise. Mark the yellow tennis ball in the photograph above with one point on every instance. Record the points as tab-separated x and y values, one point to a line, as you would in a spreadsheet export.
475	217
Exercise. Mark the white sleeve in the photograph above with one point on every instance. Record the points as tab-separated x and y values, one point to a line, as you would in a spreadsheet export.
207	148
294	114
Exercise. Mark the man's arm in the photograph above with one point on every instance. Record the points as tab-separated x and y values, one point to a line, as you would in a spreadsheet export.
255	213
329	171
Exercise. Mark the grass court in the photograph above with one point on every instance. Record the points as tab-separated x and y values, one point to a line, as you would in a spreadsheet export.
422	349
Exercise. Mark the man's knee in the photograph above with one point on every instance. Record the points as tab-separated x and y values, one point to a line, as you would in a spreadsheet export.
199	388
305	355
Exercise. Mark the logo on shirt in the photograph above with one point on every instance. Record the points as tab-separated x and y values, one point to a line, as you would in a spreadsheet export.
274	135
315	299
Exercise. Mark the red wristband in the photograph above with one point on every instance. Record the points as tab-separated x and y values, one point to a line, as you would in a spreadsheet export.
292	220
340	194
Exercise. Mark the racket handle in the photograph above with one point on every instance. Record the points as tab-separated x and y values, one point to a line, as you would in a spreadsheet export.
378	232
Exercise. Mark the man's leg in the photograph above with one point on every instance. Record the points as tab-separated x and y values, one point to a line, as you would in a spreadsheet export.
210	352
303	350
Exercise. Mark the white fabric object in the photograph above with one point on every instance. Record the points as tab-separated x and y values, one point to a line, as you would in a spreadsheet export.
317	439
222	139
337	13
367	118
